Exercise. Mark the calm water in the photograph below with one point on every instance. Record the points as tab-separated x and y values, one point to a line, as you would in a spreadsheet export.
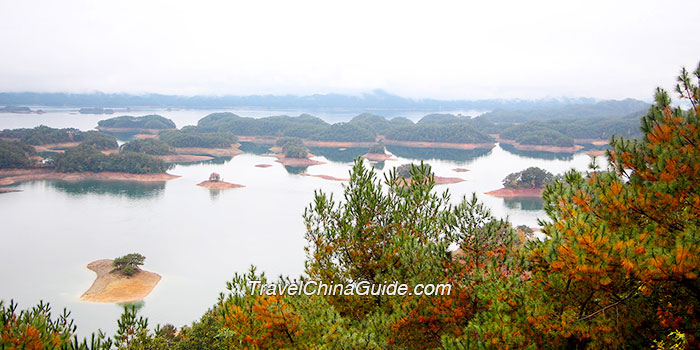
194	237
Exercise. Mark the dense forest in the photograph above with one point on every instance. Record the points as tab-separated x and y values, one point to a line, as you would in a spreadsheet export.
151	121
619	268
16	154
42	135
153	147
190	138
88	158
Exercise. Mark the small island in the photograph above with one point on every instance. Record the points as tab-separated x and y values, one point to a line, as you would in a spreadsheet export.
526	183
120	280
147	124
377	153
405	172
216	183
293	153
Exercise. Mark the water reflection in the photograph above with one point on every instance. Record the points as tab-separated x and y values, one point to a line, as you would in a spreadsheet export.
524	203
537	154
254	148
461	155
295	170
128	189
341	155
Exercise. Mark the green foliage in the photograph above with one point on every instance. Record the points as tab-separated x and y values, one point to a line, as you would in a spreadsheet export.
148	146
42	135
377	148
151	121
99	140
455	133
15	154
128	264
532	177
87	158
531	134
283	141
179	138
406	171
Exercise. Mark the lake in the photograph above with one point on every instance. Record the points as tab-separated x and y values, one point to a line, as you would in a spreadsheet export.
196	238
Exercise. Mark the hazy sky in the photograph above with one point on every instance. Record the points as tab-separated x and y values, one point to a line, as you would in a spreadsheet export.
438	49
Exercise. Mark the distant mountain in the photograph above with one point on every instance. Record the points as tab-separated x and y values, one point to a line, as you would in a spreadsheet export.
602	109
376	100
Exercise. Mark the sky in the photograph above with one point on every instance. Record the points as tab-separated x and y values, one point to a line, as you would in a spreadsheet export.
418	49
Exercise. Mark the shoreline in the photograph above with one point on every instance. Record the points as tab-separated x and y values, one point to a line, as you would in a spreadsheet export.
378	157
214	152
516	192
14	176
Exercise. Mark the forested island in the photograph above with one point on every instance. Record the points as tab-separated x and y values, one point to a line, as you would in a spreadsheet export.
151	123
526	183
74	155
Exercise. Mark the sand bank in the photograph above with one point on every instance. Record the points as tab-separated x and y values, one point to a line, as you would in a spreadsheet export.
263	165
218	185
460	170
113	287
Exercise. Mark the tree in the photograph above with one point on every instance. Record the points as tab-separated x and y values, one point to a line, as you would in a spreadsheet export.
621	266
128	264
377	148
532	177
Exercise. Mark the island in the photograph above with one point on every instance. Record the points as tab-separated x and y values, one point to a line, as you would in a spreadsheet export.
377	153
293	153
19	162
404	174
120	280
147	124
216	183
525	183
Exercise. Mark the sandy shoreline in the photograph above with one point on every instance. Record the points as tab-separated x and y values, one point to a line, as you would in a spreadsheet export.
263	165
23	175
460	170
517	192
218	185
113	287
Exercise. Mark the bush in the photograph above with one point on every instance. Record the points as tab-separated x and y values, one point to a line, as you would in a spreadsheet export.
87	158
